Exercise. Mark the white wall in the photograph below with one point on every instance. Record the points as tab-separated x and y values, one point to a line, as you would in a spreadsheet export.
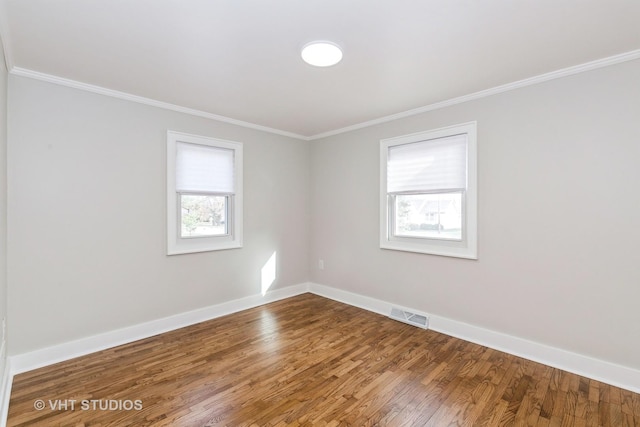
3	211
558	217
87	216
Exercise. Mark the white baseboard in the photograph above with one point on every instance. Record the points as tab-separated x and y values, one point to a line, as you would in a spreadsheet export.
600	370
5	387
65	351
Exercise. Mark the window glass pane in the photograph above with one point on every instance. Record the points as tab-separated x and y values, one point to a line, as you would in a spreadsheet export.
434	216
203	215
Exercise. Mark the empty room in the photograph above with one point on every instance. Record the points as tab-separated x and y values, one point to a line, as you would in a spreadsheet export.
319	213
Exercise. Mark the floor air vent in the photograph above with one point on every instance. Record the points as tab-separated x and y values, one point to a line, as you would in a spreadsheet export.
414	319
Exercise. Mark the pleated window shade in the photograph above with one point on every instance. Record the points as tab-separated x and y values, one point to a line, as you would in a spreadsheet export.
204	169
428	166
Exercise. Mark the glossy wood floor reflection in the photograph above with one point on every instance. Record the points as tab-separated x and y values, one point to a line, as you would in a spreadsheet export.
310	361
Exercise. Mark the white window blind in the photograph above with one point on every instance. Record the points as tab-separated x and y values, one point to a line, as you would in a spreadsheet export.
434	165
204	169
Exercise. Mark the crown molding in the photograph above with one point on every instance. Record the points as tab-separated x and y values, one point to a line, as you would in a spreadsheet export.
22	72
565	72
569	71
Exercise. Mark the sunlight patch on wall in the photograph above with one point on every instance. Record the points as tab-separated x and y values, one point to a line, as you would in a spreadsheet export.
268	273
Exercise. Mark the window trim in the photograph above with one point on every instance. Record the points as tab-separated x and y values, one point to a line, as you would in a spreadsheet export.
468	246
176	244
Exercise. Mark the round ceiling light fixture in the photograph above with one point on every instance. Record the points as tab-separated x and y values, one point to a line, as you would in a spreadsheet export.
321	53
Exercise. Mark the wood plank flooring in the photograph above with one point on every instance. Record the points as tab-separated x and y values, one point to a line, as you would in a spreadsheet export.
310	361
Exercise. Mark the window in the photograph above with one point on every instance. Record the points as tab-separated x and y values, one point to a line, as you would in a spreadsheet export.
204	194
428	198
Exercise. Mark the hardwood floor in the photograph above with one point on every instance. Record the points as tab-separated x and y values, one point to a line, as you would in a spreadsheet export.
311	361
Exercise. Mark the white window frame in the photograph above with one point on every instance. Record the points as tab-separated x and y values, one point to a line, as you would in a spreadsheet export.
465	248
176	244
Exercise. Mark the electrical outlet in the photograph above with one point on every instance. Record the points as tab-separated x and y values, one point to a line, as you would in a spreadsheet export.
321	264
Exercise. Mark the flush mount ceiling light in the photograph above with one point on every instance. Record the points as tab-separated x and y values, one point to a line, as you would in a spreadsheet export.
321	53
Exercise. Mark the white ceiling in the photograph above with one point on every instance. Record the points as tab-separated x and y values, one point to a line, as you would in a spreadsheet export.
241	58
